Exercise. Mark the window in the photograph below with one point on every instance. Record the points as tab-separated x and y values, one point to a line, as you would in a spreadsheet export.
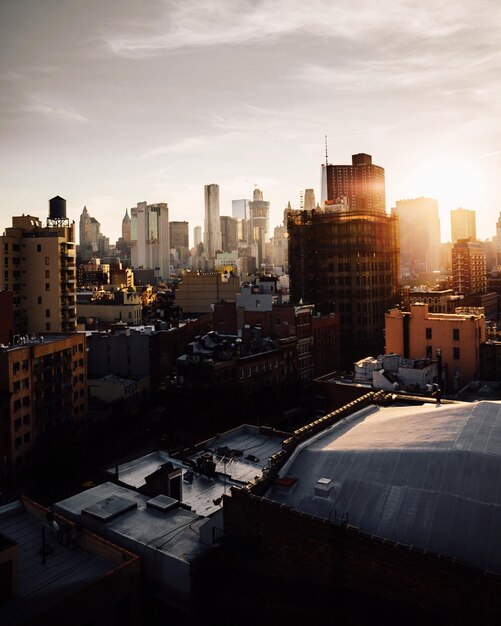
47	326
16	367
39	300
47	312
456	354
26	437
26	419
17	385
455	334
428	333
17	424
39	247
18	442
47	274
47	286
47	260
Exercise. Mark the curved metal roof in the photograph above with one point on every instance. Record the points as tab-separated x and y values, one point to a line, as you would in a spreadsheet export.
426	476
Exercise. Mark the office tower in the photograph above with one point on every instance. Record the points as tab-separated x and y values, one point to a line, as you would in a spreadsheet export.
259	211
419	235
469	273
498	242
123	244
346	260
361	182
126	231
463	225
39	265
92	242
150	248
240	209
179	240
212	226
309	199
229	233
197	236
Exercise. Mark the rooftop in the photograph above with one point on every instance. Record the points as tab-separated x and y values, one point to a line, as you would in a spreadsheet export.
42	585
240	455
428	477
126	517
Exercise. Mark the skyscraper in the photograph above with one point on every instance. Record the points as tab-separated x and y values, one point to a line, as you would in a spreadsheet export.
259	224
179	240
39	265
463	225
212	225
362	183
419	234
229	233
92	242
150	246
345	259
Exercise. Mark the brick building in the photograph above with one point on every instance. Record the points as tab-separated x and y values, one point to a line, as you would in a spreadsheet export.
376	514
43	390
457	338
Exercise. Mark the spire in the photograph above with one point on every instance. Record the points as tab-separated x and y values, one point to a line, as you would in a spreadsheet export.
126	216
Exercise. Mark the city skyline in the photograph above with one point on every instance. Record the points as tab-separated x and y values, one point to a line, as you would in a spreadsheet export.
112	105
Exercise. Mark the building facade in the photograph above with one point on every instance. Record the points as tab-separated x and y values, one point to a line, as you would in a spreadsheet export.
469	272
212	224
346	262
43	383
454	340
38	264
419	235
463	224
362	183
150	245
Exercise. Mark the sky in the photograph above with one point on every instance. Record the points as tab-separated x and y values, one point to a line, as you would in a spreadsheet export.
112	103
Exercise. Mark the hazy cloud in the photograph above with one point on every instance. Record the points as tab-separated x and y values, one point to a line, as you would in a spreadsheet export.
56	113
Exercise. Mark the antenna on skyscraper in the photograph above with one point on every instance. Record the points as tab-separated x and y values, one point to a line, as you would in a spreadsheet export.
326	157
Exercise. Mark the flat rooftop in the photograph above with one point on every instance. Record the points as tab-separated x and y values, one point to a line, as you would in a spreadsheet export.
240	455
64	573
425	476
125	518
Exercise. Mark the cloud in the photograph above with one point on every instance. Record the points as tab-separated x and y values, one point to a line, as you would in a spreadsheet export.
57	113
192	23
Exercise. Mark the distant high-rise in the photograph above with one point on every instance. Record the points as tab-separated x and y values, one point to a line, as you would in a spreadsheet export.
179	240
498	242
126	234
419	235
259	224
212	225
229	233
150	238
197	236
240	209
38	265
309	199
92	242
463	225
362	183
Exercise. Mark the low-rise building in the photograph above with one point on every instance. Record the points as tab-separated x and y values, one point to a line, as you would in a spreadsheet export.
454	340
381	511
55	573
111	306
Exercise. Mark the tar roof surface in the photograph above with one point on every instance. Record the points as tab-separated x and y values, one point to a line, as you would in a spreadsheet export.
428	477
64	573
231	469
141	525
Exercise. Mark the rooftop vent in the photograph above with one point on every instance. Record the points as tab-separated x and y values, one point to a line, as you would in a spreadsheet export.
162	503
323	487
109	508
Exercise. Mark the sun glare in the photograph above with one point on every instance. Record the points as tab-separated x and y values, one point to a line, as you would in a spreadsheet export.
454	183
